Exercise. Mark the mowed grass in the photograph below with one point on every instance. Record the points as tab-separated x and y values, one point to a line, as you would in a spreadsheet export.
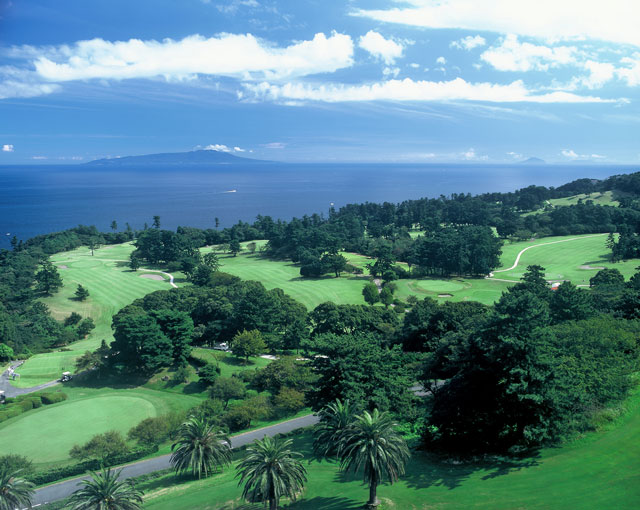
286	275
45	435
598	198
111	286
595	473
574	258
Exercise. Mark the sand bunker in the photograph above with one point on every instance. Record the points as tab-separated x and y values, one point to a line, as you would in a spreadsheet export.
152	277
63	267
594	268
445	295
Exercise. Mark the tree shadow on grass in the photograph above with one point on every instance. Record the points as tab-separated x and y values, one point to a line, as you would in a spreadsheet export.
326	503
234	361
426	470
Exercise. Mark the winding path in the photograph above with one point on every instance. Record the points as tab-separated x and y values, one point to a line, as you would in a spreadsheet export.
161	272
64	489
515	264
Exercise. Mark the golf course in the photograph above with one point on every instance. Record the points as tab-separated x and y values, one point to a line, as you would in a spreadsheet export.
597	471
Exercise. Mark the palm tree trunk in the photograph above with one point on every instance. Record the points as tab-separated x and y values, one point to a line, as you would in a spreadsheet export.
273	504
373	498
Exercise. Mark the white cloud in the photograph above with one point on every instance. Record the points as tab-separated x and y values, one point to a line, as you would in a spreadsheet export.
16	82
615	21
232	8
7	147
441	60
220	147
512	55
571	154
468	43
631	72
410	90
240	56
39	157
599	74
274	145
386	50
515	155
391	72
414	65
471	155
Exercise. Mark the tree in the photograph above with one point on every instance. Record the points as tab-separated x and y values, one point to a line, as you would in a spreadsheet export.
105	492
15	492
139	342
199	448
252	247
372	445
370	293
271	471
335	417
114	225
93	244
6	352
227	388
334	262
288	401
48	279
234	247
248	343
212	261
386	296
134	263
178	328
156	222
100	446
81	293
217	222
85	327
208	374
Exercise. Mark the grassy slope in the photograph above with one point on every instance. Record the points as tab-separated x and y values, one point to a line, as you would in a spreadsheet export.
605	198
111	286
87	412
562	260
600	471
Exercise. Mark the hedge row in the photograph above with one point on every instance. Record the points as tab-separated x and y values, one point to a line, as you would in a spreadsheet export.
55	474
23	403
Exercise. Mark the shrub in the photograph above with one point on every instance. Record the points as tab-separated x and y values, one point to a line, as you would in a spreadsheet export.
238	418
13	462
208	374
288	401
25	405
53	398
150	431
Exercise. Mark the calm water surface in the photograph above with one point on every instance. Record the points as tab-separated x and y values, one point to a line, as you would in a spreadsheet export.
40	199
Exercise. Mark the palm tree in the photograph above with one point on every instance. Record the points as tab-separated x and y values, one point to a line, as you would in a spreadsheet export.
334	419
270	471
371	444
105	492
200	449
15	492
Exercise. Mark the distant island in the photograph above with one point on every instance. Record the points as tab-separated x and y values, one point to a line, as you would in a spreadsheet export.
533	161
192	158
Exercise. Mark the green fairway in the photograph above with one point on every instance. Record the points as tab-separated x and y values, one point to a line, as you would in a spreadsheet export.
598	198
598	472
111	286
46	435
574	258
286	275
228	363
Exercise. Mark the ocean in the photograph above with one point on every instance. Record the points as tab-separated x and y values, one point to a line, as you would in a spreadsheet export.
40	199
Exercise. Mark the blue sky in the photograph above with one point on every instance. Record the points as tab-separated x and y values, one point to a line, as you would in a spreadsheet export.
301	80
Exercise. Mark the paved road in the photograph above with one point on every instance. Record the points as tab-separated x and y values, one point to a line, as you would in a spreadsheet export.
62	490
12	391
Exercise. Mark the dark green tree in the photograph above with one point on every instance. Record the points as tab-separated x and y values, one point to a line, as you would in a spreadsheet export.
271	471
156	222
48	279
81	293
373	447
134	263
140	343
335	418
104	491
370	293
114	225
226	389
234	246
15	492
200	448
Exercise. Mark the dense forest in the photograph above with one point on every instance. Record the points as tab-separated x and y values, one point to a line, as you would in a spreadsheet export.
534	368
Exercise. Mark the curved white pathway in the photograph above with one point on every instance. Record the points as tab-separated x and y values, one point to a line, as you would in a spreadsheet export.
515	264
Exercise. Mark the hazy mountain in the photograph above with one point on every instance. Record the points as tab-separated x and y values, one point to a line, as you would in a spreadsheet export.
533	161
193	158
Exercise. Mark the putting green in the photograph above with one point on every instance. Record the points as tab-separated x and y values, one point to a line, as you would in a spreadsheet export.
48	433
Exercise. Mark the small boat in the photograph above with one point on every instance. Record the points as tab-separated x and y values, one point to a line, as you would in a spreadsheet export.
8	233
232	191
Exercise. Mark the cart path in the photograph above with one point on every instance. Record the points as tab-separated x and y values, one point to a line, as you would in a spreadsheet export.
515	264
64	489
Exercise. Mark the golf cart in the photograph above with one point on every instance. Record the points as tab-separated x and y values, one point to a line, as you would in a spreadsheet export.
66	376
1	395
